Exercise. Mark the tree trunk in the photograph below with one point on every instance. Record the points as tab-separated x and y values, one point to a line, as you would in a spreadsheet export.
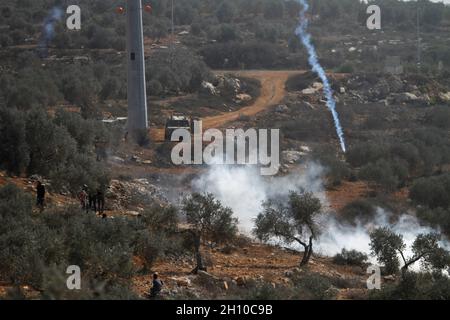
198	255
308	252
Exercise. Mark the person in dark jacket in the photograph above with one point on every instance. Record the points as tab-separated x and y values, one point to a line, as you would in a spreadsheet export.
92	200
157	286
40	197
100	201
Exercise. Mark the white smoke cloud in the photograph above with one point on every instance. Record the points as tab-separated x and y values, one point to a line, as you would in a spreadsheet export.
243	189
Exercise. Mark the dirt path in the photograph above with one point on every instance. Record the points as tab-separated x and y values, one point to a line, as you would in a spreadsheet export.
272	92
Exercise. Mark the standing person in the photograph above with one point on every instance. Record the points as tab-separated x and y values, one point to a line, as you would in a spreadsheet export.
83	197
100	201
40	198
157	286
93	200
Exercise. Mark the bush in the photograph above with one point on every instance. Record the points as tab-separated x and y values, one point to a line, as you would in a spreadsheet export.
35	250
14	157
358	210
315	287
433	192
350	258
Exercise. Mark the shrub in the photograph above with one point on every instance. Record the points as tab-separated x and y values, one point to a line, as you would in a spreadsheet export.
358	210
433	192
350	258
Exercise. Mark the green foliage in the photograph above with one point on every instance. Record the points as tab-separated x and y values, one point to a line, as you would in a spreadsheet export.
250	54
385	245
433	192
210	218
274	9
290	220
35	250
14	157
436	217
61	149
226	12
358	210
176	70
350	258
388	246
415	286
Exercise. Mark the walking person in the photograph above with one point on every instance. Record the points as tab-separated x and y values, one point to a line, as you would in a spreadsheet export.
40	196
155	291
100	197
92	200
83	197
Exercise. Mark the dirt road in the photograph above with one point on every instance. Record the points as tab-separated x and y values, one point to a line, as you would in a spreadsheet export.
272	92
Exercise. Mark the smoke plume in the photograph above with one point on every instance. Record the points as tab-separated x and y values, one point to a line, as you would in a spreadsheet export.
48	29
243	189
305	38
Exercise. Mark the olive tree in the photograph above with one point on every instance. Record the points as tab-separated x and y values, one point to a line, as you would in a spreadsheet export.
291	221
387	246
208	219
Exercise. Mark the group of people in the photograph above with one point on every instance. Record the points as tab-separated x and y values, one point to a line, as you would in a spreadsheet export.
89	200
96	201
92	200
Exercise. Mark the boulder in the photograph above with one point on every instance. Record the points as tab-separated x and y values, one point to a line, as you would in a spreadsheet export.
243	97
208	88
282	108
390	278
182	281
291	157
309	91
241	281
444	96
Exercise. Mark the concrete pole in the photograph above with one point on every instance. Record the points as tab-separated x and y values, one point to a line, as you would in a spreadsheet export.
137	93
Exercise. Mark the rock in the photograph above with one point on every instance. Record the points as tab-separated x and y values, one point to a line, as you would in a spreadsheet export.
117	159
292	157
288	274
309	105
342	90
35	177
133	213
282	108
228	84
241	281
243	97
390	278
147	162
309	91
136	159
182	281
445	97
208	88
405	97
207	276
317	85
305	149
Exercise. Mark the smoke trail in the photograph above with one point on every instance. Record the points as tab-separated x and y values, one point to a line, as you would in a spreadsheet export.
305	37
48	30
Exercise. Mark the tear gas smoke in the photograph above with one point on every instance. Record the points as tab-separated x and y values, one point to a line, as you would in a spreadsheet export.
305	38
243	189
48	30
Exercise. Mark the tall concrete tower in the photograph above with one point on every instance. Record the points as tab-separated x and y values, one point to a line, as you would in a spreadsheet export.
137	95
